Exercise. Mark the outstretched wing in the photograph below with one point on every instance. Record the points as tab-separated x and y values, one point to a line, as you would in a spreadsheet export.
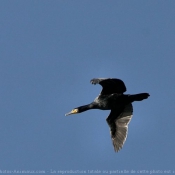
110	85
118	122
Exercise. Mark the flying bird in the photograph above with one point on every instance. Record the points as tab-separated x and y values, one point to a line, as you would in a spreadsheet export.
112	98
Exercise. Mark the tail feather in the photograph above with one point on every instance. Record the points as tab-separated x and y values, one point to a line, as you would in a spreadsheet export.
139	97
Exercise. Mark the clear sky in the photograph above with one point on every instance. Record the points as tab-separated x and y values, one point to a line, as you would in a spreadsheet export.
49	52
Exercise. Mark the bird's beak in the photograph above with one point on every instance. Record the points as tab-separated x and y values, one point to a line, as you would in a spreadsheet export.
74	111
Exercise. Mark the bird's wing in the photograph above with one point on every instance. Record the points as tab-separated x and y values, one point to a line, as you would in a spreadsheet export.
118	122
110	85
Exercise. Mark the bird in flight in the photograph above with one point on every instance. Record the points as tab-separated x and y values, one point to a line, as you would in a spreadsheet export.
112	98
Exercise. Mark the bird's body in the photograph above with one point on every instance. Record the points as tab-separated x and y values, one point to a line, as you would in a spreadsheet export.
101	102
112	98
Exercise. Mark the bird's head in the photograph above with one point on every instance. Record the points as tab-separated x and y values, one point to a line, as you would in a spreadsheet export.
74	111
81	109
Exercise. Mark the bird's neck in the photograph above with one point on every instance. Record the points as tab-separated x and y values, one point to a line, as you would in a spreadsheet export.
88	107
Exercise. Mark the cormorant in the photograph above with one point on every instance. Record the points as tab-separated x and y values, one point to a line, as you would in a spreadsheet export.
112	98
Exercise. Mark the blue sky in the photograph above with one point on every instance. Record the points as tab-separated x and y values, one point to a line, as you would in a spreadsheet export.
50	50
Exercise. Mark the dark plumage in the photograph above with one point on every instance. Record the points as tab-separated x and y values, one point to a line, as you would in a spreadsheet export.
112	98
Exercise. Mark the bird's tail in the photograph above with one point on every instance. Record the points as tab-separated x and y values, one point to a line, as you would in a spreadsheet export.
138	97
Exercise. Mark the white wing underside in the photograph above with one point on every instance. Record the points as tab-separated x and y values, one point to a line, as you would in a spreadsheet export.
122	127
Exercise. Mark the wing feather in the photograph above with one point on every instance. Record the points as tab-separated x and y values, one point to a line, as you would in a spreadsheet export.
119	126
110	85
